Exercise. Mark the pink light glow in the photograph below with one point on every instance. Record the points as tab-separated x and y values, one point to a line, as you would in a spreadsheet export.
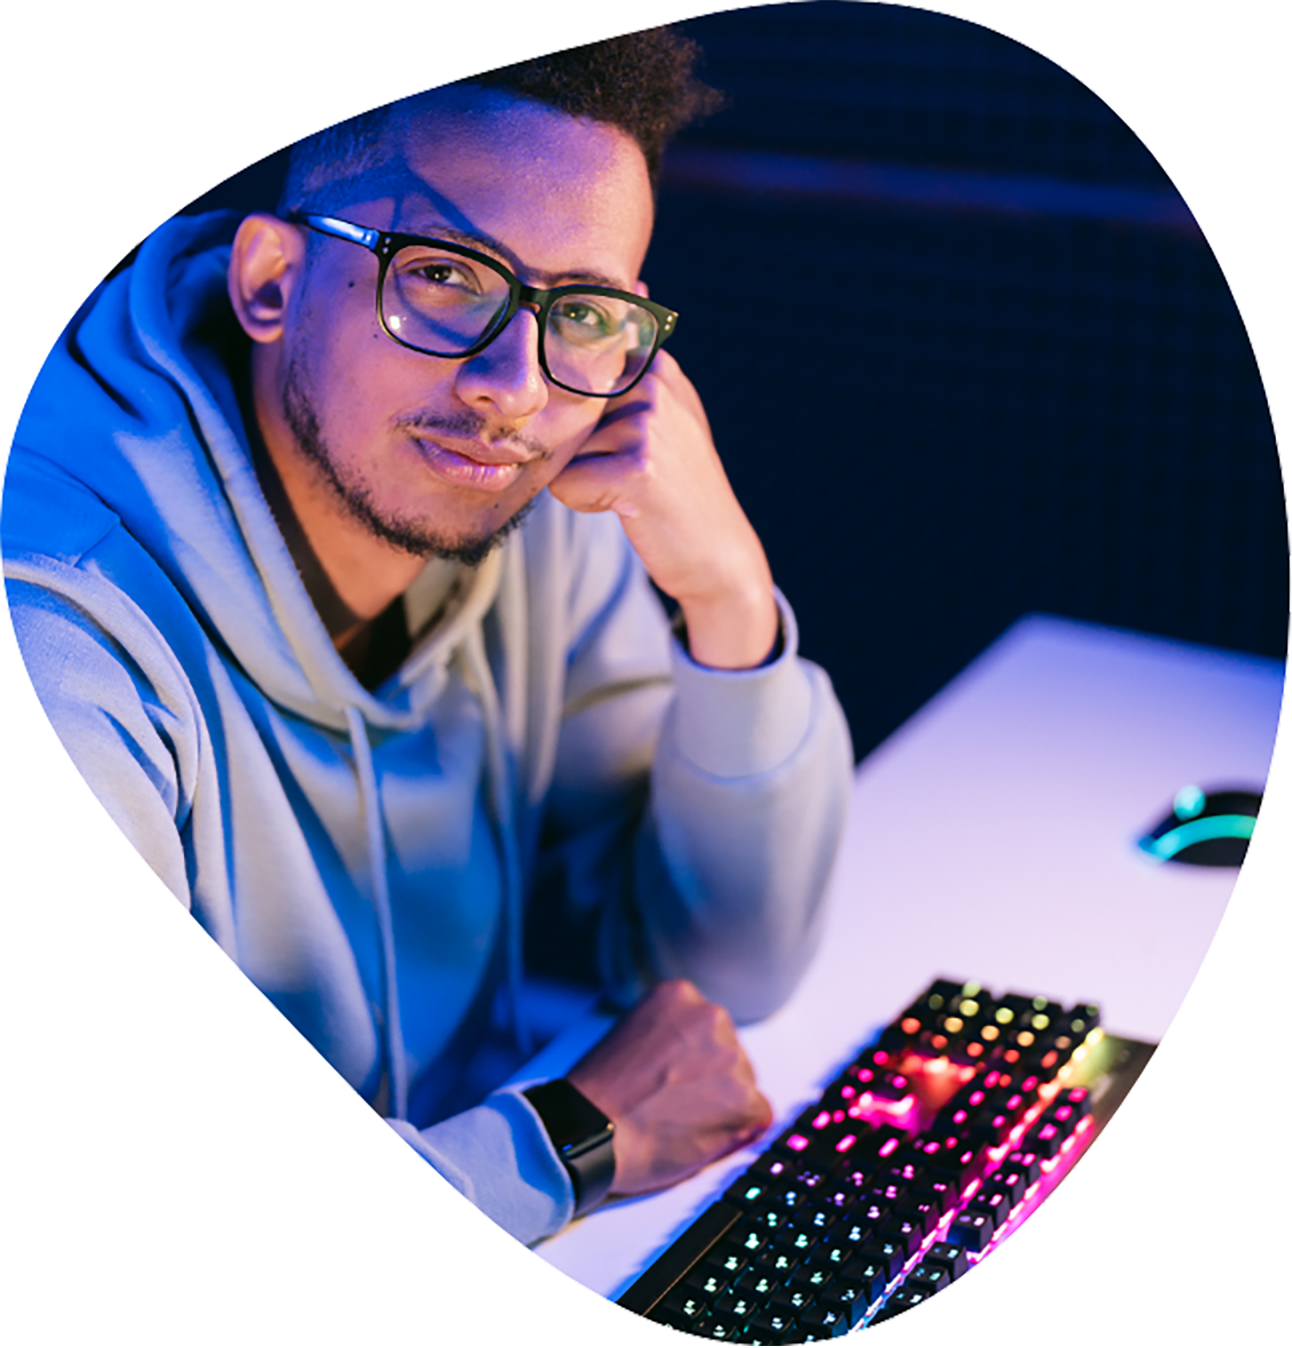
1084	1124
847	1092
971	1189
844	1143
889	1147
796	1141
880	1056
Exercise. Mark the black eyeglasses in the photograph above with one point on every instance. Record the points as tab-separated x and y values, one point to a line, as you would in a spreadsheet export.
447	300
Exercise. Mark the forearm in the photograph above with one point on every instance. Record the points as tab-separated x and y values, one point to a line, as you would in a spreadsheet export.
749	792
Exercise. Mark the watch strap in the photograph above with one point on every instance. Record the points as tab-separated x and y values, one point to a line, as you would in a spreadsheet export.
583	1137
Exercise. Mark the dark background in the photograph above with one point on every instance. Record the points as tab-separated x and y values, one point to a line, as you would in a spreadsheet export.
964	351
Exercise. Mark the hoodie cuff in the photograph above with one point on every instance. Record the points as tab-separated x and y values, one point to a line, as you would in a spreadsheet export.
499	1156
742	722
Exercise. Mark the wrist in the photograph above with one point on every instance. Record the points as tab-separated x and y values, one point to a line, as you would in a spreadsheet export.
736	629
582	1136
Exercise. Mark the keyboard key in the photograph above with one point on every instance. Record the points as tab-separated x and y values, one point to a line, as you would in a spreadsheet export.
812	1277
736	1307
727	1258
686	1304
1027	1162
771	1326
719	1326
973	1230
884	1253
847	1301
903	1233
822	1322
902	1300
794	1242
790	1300
927	1278
949	1256
999	1197
758	1286
869	1277
706	1283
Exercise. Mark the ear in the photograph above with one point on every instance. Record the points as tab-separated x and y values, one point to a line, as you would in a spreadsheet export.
266	267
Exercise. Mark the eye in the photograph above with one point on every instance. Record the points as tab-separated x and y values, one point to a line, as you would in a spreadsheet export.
432	272
584	319
583	313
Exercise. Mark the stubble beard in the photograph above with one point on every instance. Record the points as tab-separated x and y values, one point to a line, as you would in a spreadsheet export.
353	492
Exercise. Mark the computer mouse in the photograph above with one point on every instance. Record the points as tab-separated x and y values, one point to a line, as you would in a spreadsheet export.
1205	828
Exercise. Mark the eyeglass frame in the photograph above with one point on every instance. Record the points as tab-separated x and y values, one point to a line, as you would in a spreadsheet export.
384	245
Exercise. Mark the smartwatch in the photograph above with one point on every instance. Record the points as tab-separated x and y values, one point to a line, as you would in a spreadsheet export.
583	1137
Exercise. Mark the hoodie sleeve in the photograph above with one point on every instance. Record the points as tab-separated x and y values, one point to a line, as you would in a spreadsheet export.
707	804
498	1155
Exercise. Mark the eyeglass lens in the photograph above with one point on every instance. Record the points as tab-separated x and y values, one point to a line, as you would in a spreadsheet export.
443	304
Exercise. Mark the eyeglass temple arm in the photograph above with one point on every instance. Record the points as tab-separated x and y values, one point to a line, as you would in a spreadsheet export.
342	229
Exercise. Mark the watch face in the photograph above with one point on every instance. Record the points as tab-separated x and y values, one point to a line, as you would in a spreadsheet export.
573	1122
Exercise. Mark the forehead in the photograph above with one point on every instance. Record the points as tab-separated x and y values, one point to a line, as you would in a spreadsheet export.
556	194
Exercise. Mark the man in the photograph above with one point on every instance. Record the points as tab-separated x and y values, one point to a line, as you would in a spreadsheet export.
329	537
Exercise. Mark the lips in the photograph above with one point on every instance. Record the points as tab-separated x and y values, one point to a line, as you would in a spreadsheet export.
483	467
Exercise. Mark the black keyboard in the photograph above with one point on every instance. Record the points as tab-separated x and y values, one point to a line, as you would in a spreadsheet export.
933	1145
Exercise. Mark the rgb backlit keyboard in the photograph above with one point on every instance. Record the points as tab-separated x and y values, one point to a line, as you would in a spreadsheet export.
926	1151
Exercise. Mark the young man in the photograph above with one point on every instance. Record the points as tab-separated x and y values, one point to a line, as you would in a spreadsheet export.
328	538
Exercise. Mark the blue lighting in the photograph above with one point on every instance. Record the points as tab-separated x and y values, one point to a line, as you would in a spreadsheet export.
1196	831
1189	802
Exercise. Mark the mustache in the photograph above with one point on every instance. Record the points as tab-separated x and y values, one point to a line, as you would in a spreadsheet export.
469	425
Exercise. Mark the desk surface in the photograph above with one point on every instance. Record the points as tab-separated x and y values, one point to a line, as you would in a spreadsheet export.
994	837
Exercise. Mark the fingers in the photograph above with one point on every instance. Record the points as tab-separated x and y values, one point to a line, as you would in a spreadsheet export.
679	1086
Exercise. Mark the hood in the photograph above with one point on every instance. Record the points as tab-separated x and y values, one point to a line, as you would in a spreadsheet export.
145	362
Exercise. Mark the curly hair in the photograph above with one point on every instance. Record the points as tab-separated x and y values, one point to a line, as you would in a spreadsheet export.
642	83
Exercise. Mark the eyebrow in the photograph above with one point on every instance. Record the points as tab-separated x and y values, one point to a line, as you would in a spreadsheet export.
545	279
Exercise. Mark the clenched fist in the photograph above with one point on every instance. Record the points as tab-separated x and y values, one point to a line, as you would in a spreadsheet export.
678	1086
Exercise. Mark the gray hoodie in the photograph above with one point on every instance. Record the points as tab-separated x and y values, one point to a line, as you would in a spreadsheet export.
547	758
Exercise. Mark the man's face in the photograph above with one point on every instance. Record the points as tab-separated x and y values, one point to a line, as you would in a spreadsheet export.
437	455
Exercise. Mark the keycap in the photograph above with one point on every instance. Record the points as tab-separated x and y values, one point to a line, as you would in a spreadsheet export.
823	1322
903	1232
813	1277
790	1300
927	1278
973	1230
904	1299
769	1323
869	1276
736	1307
705	1283
756	1285
949	1256
885	1254
685	1304
728	1258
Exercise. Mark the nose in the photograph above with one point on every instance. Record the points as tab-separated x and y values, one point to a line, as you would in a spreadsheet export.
505	379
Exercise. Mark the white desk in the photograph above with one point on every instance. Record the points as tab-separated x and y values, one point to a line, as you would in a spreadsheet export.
994	837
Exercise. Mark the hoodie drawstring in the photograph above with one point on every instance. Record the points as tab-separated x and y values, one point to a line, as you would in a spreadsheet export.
397	1066
479	678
